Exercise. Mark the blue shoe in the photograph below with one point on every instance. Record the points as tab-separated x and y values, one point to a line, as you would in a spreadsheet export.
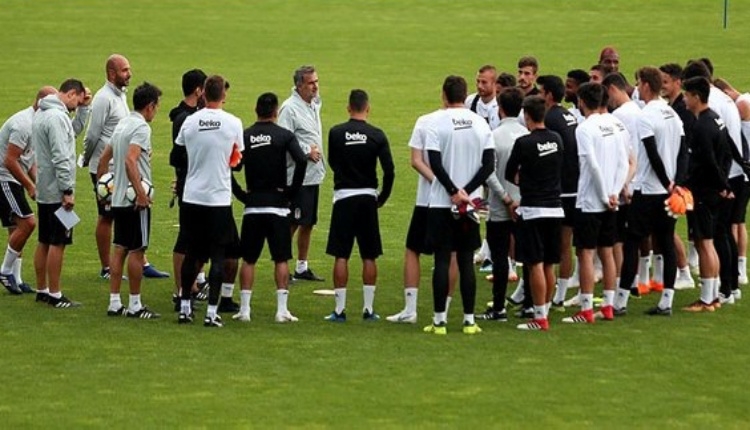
26	288
150	271
334	317
370	316
9	282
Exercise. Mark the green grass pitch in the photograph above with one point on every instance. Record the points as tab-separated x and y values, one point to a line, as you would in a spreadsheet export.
80	369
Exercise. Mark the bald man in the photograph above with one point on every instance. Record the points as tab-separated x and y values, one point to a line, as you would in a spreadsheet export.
610	59
18	173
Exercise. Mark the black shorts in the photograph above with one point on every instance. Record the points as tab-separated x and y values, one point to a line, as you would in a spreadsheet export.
208	229
647	216
498	238
741	191
445	233
595	230
304	206
132	228
51	230
355	217
104	209
569	207
621	223
540	240
257	228
13	203
416	237
702	220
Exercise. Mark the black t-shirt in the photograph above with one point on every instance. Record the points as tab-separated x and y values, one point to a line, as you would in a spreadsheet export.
562	122
354	149
265	162
686	116
710	154
178	155
538	158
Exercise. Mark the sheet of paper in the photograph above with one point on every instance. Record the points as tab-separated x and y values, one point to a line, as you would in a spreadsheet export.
69	219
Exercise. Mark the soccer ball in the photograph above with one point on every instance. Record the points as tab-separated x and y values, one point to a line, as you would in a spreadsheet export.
148	186
105	186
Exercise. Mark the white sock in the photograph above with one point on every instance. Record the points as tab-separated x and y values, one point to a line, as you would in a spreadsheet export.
546	308
539	312
684	272
368	291
707	290
211	311
741	260
410	298
56	295
560	289
201	278
17	270
134	305
440	317
621	298
587	301
43	290
518	295
340	297
609	297
617	282
301	266
659	269
281	299
245	297
511	265
115	302
469	319
666	298
717	284
644	264
227	289
484	251
185	307
10	258
448	303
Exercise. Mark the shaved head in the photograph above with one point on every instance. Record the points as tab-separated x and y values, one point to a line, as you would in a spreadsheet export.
42	93
118	70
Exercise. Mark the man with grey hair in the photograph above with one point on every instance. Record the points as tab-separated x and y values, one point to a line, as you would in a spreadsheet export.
300	114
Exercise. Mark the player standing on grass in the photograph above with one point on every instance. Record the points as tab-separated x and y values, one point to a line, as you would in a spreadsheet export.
535	164
562	122
53	138
264	160
503	196
212	138
461	153
603	161
18	173
710	161
192	89
300	114
661	160
354	150
130	151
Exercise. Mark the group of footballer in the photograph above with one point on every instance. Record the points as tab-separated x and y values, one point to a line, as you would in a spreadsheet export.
606	177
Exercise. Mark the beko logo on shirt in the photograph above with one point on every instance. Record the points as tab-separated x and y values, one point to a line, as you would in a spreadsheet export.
570	119
260	140
355	138
208	124
546	148
667	113
720	123
606	130
461	123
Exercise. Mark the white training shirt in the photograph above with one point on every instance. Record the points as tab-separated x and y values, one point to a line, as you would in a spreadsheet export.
488	111
603	161
727	110
745	123
417	141
131	130
461	136
209	136
16	131
662	122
